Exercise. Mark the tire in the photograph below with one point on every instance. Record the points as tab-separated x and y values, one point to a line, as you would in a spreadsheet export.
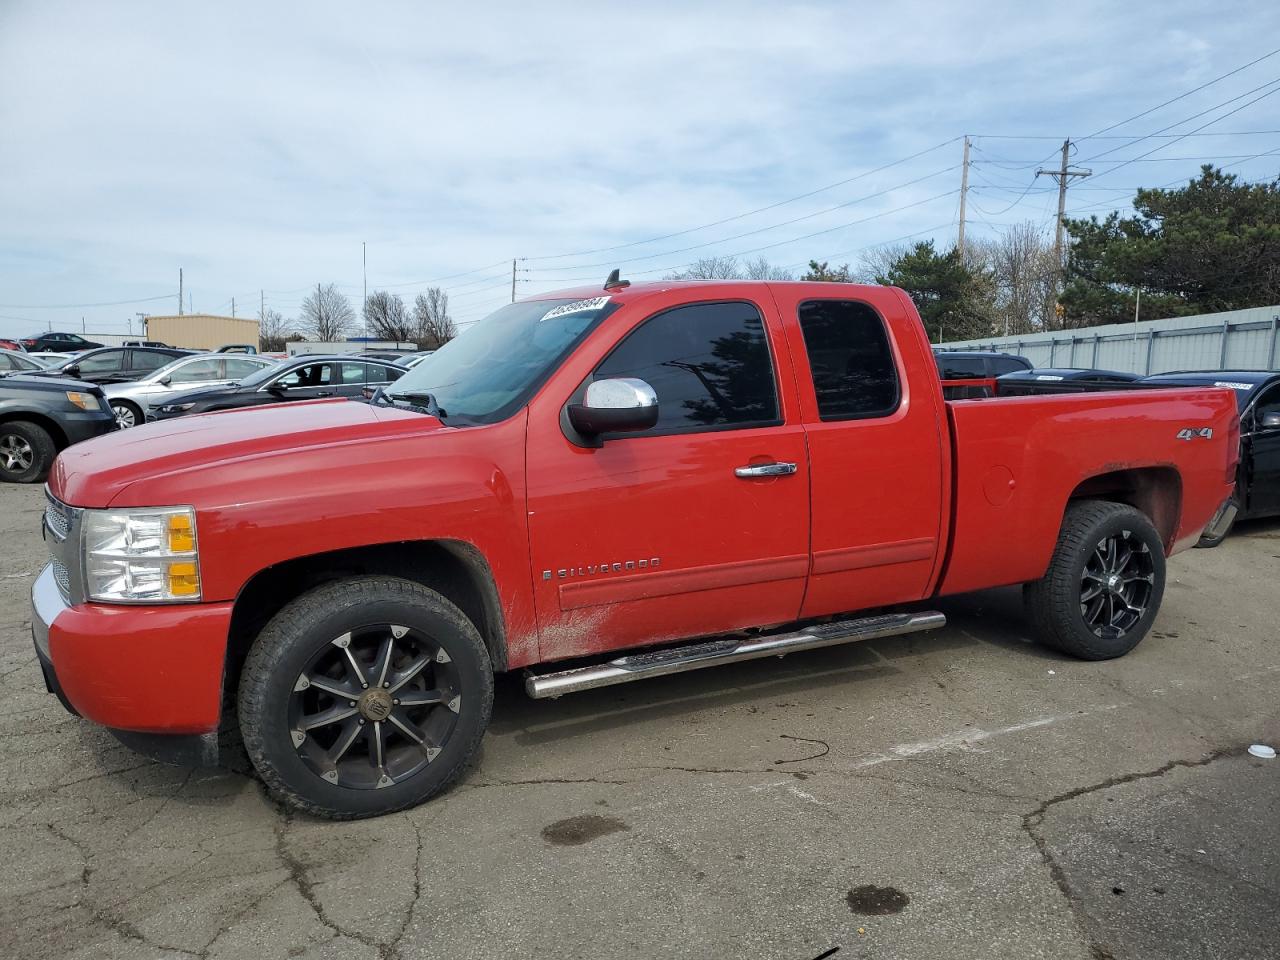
26	452
314	643
127	414
1207	542
1079	606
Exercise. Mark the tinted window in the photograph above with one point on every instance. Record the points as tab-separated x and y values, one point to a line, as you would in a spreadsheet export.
849	354
351	373
197	370
378	374
149	361
237	368
105	362
312	375
1000	365
709	364
961	368
1269	402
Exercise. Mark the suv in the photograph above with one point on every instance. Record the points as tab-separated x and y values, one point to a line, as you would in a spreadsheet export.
40	417
972	373
116	364
59	343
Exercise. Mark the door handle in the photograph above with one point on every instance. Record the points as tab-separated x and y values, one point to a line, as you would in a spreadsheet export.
324	393
765	470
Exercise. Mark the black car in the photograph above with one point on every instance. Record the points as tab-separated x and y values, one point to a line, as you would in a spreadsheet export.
974	365
302	378
1257	492
59	343
41	416
115	364
1023	383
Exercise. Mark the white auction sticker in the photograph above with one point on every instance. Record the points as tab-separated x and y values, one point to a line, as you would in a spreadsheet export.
595	303
1233	385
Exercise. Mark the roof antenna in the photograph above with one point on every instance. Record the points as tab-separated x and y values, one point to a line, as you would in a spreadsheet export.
614	282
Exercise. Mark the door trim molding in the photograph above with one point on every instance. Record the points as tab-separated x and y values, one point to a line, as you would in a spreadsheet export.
873	555
665	583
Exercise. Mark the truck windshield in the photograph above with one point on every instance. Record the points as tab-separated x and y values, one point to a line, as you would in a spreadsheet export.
488	371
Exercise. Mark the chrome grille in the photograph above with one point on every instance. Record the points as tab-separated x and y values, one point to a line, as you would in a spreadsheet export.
56	520
62	577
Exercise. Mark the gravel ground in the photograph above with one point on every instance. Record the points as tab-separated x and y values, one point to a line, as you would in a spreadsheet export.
957	794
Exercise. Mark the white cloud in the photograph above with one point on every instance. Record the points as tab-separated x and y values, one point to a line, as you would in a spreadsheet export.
257	145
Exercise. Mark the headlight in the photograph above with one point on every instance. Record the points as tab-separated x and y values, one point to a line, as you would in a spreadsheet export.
85	401
138	556
177	407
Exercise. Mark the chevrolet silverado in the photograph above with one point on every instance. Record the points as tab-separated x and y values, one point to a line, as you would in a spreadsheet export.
592	486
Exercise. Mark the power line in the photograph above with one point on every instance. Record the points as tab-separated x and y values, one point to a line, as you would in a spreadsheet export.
749	213
759	230
70	306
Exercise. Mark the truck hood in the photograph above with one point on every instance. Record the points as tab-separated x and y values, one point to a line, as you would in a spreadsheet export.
94	473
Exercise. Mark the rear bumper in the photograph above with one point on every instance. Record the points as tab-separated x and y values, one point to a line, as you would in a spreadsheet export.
1222	520
149	669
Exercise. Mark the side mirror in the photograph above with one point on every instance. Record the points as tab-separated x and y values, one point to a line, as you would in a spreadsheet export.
1271	421
278	388
166	381
72	369
621	405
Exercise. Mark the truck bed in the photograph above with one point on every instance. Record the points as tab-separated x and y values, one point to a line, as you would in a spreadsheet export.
1049	445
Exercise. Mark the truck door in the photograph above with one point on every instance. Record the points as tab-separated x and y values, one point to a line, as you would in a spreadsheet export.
1263	447
697	526
875	449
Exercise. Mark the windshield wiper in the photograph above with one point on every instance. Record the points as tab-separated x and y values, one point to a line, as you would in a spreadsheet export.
426	402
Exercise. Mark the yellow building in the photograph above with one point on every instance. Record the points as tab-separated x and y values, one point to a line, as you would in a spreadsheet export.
202	331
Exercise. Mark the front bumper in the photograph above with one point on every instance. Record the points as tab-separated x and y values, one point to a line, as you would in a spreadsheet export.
86	424
152	669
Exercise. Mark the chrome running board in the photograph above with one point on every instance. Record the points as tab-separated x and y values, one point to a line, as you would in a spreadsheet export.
713	653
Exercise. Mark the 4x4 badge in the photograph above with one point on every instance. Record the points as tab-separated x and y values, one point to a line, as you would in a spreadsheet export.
1190	433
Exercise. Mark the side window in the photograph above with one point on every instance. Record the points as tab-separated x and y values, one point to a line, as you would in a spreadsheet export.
106	362
352	373
312	375
142	360
197	371
852	363
1269	402
6	362
709	364
378	374
1003	365
239	369
952	367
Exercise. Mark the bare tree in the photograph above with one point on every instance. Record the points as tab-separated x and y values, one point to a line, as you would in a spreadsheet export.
433	327
386	317
1020	263
271	331
709	268
878	261
761	269
326	314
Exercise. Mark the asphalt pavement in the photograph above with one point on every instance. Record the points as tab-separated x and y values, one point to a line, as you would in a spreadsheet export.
959	794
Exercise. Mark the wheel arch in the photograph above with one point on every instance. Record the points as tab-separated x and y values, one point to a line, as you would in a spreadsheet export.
1155	490
455	569
44	421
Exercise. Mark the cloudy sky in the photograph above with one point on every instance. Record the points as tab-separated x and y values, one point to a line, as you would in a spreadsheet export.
257	146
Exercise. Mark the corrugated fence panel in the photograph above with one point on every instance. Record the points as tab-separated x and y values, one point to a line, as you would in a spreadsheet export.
1180	343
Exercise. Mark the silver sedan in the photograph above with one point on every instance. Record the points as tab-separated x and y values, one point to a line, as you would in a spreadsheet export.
131	401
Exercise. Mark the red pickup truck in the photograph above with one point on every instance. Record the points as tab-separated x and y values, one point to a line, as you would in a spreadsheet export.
691	472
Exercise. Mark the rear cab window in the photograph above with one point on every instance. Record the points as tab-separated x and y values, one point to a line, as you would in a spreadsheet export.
854	375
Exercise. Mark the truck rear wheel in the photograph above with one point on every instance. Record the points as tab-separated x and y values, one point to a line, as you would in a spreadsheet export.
1104	584
364	696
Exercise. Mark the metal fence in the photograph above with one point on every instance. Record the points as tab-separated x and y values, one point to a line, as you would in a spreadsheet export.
1238	340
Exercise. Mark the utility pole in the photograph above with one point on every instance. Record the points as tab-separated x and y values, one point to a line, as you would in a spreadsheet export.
964	193
1064	175
262	305
190	309
233	306
364	308
179	291
513	280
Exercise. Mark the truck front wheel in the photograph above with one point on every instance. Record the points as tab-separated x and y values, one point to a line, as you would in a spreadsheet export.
364	696
1104	584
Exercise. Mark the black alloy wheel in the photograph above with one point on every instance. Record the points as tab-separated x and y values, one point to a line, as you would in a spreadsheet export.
1115	587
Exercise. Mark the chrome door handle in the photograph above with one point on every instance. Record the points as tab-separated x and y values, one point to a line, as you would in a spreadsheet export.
766	470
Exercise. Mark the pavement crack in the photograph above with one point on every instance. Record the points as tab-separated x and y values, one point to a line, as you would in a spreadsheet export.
1032	821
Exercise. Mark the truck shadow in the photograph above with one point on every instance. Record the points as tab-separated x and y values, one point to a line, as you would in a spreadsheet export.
992	617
